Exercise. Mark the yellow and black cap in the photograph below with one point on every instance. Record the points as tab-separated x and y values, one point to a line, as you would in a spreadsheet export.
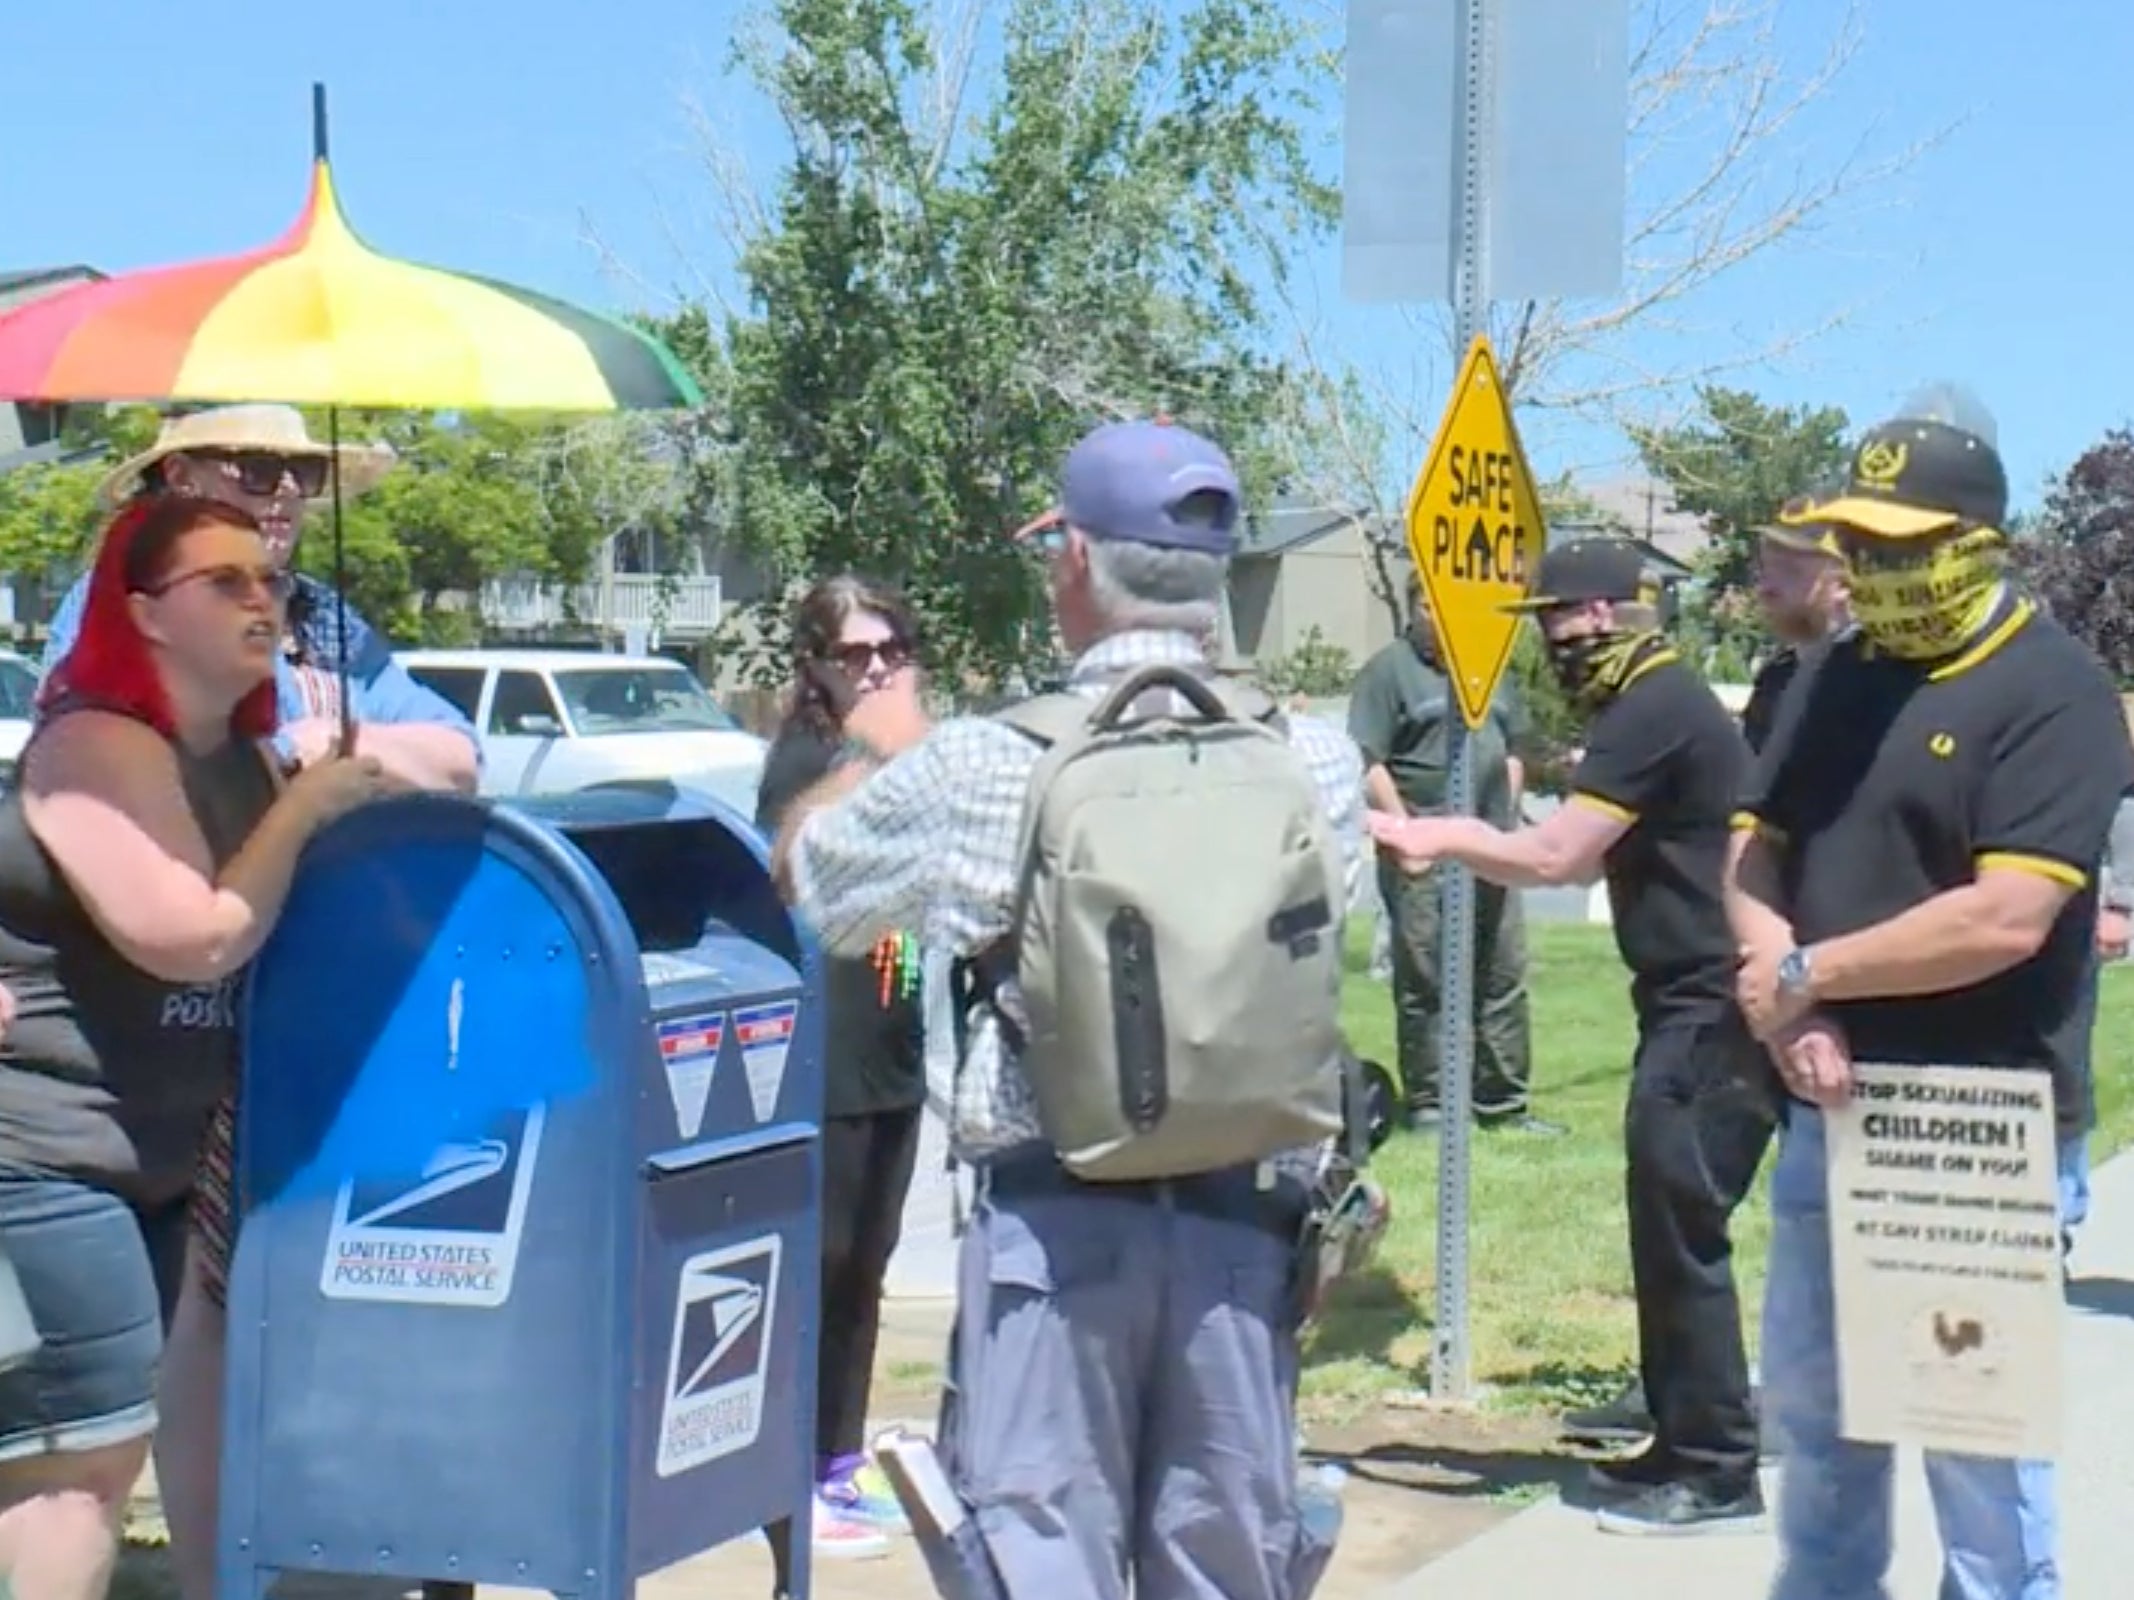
1911	478
1587	569
1811	533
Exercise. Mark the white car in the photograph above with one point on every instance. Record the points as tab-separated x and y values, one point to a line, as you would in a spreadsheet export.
555	721
18	708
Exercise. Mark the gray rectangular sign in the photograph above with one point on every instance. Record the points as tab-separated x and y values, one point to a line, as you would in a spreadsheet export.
1398	160
1557	121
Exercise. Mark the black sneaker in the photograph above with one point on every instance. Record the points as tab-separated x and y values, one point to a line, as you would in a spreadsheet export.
1624	1420
1634	1474
1675	1510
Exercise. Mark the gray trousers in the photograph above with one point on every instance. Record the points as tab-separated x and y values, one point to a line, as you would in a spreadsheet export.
1121	1404
1503	1054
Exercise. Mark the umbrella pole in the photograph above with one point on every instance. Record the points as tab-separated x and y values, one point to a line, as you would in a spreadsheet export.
340	588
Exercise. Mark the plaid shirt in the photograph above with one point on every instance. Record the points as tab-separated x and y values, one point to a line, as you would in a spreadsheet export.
929	843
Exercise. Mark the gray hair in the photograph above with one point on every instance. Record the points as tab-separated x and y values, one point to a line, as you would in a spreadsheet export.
1149	586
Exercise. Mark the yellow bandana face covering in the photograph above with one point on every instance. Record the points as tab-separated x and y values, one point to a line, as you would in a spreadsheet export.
1595	666
1922	599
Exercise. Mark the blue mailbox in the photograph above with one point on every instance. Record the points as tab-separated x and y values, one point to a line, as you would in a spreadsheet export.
528	1158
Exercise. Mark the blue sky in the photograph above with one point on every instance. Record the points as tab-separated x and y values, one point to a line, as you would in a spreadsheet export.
480	134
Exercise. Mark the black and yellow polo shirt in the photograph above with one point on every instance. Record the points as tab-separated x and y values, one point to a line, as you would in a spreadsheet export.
1664	756
1887	782
1769	689
1772	680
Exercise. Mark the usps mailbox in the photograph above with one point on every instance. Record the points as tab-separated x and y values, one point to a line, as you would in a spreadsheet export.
528	1155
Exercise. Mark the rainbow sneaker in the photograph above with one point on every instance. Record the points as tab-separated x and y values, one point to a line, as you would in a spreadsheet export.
838	1537
855	1490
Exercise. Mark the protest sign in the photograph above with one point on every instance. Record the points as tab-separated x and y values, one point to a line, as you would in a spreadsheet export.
1945	1258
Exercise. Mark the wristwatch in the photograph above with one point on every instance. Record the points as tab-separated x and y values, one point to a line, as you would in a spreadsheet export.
1795	973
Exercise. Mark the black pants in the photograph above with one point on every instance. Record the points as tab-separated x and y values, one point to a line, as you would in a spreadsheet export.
1699	1119
867	1167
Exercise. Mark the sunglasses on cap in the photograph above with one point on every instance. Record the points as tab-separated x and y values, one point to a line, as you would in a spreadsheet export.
233	583
894	655
261	472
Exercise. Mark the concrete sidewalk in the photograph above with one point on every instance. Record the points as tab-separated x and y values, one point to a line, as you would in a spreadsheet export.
1542	1548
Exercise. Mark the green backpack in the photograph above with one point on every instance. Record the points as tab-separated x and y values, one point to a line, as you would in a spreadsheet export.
1177	937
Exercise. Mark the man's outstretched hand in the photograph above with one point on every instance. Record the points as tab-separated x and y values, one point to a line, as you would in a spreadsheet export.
1416	843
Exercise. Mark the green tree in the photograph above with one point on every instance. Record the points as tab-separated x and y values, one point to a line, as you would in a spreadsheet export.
2079	548
118	431
48	518
939	305
1553	728
489	495
472	498
1316	667
1734	464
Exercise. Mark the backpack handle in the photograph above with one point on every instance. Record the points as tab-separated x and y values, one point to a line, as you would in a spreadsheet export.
1170	674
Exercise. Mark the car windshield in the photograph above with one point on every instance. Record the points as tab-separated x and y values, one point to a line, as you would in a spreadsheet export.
18	689
640	700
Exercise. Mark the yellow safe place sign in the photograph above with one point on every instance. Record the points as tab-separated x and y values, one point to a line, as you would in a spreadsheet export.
1475	531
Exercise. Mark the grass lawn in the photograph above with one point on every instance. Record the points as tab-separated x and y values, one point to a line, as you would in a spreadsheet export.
1549	1264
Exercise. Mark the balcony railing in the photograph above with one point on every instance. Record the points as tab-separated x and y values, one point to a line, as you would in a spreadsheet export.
679	607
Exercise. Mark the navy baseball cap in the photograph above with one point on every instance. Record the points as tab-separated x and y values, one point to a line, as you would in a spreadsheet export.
1134	480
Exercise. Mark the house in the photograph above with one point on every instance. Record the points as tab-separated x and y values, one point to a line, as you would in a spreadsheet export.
31	432
1670	570
1299	568
1643	509
625	598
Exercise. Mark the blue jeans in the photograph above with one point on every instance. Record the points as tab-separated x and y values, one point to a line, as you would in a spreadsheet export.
1999	1520
2074	1183
100	1280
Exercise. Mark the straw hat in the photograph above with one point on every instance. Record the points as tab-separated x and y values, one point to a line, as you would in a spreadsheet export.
274	430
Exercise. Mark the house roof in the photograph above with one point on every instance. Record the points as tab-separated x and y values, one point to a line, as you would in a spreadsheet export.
15	280
1644	508
1571	529
1288	526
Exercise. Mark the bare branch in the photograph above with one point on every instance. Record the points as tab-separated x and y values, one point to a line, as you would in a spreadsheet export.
1719	179
957	24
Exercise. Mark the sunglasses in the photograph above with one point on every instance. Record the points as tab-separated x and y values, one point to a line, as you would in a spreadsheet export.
233	583
855	659
261	472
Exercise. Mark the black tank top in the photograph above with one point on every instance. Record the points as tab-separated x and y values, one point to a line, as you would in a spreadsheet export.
108	1074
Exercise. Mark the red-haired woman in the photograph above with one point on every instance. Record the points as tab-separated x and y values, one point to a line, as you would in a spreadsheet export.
144	857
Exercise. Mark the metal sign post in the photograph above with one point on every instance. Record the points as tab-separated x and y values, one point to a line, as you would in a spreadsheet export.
1446	191
1451	1349
1476	532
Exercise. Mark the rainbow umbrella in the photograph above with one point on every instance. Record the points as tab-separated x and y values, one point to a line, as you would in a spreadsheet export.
319	318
